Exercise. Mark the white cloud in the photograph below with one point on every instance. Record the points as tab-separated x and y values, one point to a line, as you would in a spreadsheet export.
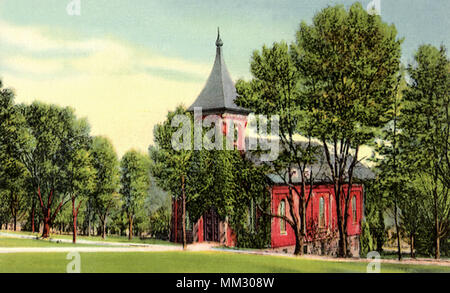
108	83
25	64
98	55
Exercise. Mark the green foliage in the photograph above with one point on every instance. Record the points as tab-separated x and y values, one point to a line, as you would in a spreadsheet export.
13	177
412	153
368	244
159	223
135	180
375	206
335	83
274	90
211	180
54	136
425	128
349	62
105	196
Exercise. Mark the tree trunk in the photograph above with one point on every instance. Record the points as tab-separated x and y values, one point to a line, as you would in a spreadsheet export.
130	227
342	251
399	247
32	219
413	254
104	228
299	236
298	243
438	249
46	229
74	215
89	226
436	224
14	208
183	192
380	234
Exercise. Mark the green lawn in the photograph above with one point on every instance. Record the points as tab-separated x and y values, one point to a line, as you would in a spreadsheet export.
189	262
18	242
121	239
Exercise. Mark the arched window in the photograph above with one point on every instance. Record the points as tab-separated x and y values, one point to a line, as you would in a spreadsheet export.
282	212
321	212
330	209
354	212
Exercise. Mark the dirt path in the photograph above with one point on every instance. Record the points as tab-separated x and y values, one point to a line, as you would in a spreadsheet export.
98	246
79	241
89	249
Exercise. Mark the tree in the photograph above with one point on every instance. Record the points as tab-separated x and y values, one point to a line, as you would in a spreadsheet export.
135	180
348	63
79	184
391	159
12	172
426	127
171	167
203	178
158	206
376	203
274	91
13	183
105	194
50	134
412	212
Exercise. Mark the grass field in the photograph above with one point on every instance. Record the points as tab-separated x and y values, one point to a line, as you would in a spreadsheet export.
190	262
177	261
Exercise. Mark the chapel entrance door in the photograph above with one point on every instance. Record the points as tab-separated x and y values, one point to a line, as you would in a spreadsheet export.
211	225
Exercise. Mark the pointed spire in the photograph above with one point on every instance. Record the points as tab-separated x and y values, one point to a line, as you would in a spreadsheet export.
219	93
219	42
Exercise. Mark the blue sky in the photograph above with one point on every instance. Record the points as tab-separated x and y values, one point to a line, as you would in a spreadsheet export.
137	59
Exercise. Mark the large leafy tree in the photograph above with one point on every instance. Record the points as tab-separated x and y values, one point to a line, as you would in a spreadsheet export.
173	168
391	164
274	90
13	184
105	193
135	181
348	62
79	177
201	179
375	206
425	128
12	172
52	134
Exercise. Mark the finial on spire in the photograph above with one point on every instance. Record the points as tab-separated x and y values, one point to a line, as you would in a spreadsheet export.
219	42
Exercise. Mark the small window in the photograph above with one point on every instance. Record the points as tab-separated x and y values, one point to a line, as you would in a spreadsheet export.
354	209
321	212
282	212
330	210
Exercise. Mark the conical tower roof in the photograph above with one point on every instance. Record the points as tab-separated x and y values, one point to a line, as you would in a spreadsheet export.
219	93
